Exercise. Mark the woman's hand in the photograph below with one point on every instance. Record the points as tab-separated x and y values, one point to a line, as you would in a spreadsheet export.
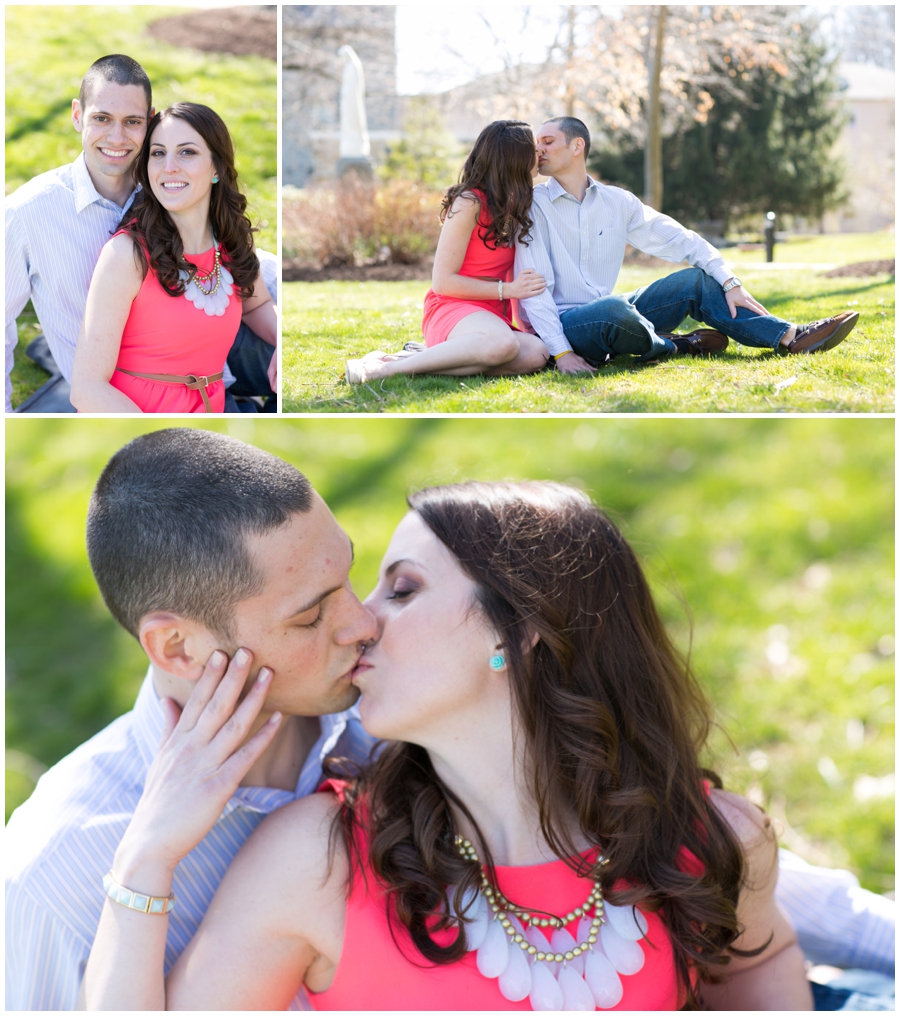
527	283
204	754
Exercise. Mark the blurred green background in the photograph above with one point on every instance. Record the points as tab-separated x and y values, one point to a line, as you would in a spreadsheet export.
769	543
48	49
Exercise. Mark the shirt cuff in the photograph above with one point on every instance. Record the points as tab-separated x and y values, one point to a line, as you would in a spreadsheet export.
721	273
557	344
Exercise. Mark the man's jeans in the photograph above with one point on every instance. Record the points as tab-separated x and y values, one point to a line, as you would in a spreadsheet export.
630	323
249	361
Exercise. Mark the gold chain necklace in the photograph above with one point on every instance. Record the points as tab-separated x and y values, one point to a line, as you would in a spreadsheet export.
501	907
201	278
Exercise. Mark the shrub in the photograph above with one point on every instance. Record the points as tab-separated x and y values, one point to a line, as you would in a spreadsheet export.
325	226
406	221
356	222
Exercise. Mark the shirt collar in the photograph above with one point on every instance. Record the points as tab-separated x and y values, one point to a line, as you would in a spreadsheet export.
556	190
149	721
86	193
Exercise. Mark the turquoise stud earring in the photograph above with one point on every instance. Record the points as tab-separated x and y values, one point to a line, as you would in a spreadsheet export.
215	179
498	662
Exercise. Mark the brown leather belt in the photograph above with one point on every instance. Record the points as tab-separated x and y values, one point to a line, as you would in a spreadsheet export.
192	381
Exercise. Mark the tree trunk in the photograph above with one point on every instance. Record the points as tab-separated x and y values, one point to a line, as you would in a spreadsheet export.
570	72
653	173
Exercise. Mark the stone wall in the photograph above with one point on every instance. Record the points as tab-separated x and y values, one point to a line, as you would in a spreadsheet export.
311	74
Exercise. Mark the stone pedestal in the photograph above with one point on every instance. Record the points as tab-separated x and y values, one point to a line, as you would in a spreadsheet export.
359	164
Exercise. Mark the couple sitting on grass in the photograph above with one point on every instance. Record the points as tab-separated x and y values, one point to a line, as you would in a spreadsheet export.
564	243
139	259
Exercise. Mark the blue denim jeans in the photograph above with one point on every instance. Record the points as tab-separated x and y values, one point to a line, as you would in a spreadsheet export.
631	322
248	360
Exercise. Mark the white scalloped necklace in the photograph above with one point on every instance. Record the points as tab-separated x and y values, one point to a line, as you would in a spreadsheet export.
213	302
561	973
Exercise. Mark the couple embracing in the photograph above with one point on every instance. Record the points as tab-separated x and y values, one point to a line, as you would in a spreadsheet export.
556	250
139	258
532	828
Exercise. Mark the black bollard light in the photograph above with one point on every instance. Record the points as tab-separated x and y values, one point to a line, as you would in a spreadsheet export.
770	236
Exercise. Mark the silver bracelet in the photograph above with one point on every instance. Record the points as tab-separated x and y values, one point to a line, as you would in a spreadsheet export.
499	290
137	901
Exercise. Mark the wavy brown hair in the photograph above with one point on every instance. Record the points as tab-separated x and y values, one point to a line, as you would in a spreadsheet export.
500	166
610	717
157	242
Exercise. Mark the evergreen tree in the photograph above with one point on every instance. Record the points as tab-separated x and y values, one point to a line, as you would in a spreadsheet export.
428	154
765	146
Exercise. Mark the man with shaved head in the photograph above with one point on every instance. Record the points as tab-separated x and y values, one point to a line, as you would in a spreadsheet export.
581	228
57	223
201	546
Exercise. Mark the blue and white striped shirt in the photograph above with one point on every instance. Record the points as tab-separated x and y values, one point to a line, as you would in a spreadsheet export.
579	247
56	226
61	842
837	922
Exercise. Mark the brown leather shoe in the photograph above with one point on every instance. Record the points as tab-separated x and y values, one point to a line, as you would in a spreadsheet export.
821	335
701	342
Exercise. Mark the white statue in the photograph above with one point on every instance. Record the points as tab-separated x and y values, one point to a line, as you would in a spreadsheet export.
354	131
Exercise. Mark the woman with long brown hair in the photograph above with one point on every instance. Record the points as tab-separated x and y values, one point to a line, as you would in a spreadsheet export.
175	281
468	324
538	831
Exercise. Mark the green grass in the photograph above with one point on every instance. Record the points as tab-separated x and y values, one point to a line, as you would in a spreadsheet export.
329	322
840	249
48	49
775	536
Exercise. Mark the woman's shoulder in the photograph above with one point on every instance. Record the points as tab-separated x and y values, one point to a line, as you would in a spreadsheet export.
310	816
470	200
746	819
120	243
120	258
752	828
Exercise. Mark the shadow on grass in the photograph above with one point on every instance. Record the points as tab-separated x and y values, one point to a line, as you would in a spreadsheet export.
39	123
780	297
371	472
64	652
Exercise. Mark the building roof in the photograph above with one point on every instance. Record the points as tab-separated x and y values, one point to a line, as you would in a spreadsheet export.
861	81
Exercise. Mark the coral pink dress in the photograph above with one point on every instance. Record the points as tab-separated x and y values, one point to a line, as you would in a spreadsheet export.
169	335
443	313
374	972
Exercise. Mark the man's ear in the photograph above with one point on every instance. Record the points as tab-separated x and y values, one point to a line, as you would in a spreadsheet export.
175	645
151	114
77	120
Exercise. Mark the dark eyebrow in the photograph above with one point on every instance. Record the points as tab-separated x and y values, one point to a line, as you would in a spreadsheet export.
127	116
316	600
391	568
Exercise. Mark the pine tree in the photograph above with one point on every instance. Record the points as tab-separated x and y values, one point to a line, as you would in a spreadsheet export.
766	146
428	154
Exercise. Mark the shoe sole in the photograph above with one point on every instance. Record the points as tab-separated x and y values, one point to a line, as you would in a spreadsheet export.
353	372
836	337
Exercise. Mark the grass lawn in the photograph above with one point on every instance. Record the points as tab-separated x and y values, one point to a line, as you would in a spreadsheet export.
48	49
768	543
329	322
